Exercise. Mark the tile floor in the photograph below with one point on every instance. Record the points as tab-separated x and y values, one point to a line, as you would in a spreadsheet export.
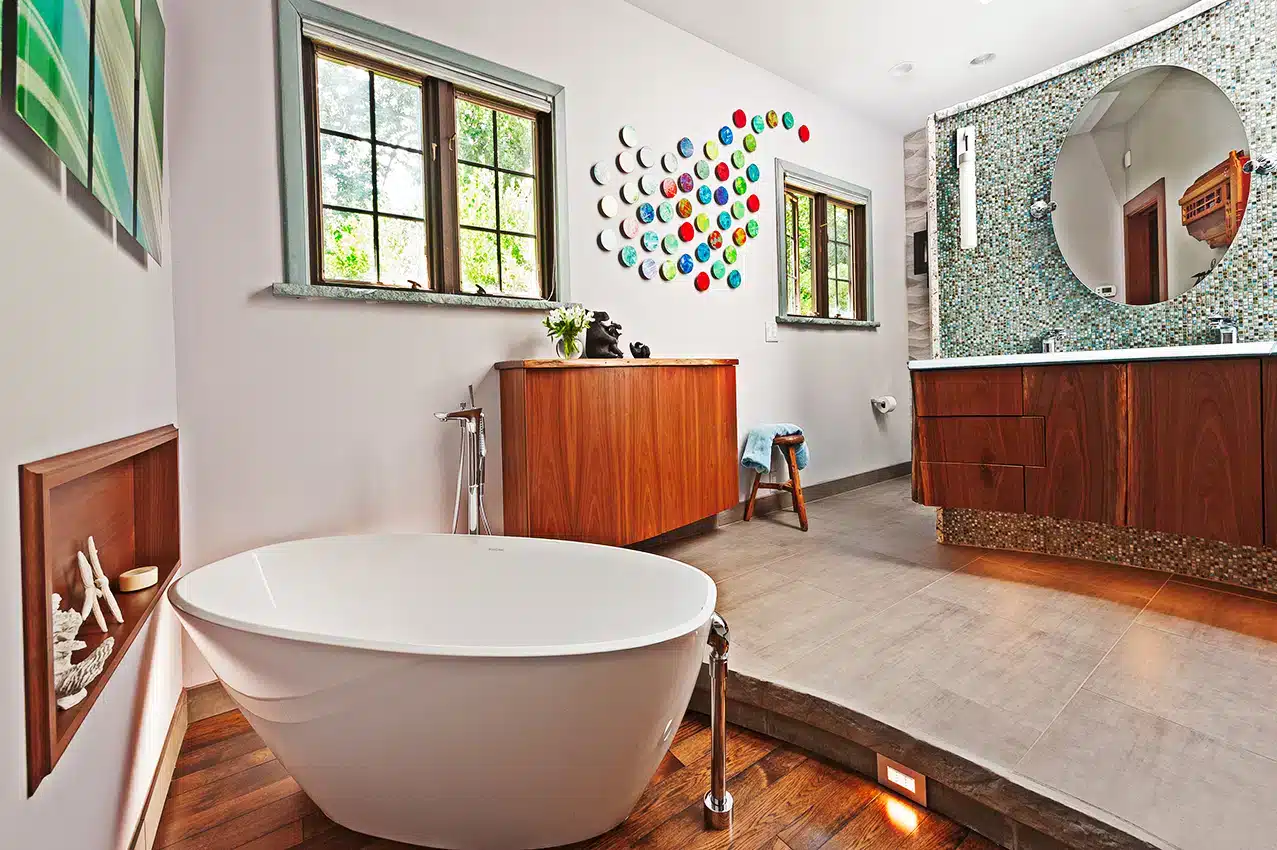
1148	697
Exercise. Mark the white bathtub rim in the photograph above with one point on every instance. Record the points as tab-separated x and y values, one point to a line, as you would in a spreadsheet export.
185	607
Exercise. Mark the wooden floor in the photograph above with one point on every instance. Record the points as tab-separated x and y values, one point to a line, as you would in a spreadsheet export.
229	791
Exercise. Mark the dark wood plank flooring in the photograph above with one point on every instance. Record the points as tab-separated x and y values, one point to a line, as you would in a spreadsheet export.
229	791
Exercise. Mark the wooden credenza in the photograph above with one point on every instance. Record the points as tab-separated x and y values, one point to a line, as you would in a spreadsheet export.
1177	446
616	451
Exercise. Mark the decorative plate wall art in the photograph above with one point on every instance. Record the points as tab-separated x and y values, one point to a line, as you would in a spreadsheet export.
724	172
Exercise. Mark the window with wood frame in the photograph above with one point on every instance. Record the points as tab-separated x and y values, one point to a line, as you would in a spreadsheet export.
826	261
419	183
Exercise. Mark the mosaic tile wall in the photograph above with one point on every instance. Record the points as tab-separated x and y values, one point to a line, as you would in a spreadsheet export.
1000	297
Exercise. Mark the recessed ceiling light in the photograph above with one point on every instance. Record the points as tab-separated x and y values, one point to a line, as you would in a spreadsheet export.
985	2
984	59
900	69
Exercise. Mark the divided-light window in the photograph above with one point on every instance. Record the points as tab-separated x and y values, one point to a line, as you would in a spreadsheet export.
417	183
825	256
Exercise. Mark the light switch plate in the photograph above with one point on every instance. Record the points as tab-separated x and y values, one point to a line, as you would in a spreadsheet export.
771	333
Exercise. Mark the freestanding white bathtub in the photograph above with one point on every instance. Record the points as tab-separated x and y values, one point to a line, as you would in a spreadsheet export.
471	693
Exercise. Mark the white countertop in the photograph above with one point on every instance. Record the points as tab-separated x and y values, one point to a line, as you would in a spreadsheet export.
1173	352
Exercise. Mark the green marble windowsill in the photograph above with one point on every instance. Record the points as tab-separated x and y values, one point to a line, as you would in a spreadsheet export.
411	296
822	322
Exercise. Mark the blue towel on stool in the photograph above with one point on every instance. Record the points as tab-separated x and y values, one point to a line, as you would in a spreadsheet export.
758	446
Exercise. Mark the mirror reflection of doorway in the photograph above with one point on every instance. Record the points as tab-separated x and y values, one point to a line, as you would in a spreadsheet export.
1144	222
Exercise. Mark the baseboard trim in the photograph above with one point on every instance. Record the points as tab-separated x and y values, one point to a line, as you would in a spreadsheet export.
209	699
157	794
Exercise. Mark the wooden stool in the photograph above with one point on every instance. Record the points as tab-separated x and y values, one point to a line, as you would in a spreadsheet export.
794	486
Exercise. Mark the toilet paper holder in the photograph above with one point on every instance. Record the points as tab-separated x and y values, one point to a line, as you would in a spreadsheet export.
884	404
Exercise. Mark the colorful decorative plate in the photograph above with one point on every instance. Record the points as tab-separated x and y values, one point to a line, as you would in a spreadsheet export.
685	264
738	118
651	241
669	270
724	220
751	228
715	240
711	149
740	185
725	135
665	211
702	282
629	227
753	203
629	136
608	206
720	196
722	172
685	147
685	182
648	269
750	142
602	173
733	279
788	120
686	232
684	208
804	134
753	173
739	236
738	210
757	123
647	157
648	184
702	253
625	162
718	270
646	213
669	188
772	118
738	159
670	163
630	192
670	243
729	254
702	169
704	194
702	222
628	257
608	240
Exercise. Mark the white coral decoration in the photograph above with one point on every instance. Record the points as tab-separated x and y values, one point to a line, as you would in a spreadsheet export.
91	592
71	681
103	583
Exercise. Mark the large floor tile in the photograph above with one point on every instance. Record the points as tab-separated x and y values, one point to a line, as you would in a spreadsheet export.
731	550
1195	791
1214	617
1094	614
1105	579
871	580
967	679
1221	692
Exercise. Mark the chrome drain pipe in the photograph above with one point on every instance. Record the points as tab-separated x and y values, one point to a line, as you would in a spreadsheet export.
718	802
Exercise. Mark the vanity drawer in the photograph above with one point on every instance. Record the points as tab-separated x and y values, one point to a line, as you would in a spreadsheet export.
984	487
1013	440
969	392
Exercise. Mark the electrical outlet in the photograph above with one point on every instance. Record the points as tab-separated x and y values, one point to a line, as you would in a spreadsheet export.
771	333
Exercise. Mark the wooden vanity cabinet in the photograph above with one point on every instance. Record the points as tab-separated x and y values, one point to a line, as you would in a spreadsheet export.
1269	380
1196	449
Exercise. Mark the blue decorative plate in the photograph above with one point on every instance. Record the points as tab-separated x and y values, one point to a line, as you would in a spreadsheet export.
718	270
628	257
651	241
757	123
733	279
685	147
788	120
724	220
704	194
685	264
720	195
753	173
646	213
665	211
702	252
725	135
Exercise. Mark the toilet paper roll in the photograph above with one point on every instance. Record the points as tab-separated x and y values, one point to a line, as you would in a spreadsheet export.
884	403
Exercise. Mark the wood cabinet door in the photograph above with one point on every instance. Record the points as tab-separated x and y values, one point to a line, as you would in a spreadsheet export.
1196	449
1270	450
1083	475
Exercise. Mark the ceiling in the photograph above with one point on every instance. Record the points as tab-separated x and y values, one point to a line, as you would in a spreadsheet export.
843	49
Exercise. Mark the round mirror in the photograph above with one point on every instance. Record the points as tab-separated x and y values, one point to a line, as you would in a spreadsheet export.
1150	186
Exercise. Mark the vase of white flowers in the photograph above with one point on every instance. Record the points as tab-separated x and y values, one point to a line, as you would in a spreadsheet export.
567	326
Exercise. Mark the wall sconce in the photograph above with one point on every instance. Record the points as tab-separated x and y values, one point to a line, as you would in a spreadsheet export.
966	188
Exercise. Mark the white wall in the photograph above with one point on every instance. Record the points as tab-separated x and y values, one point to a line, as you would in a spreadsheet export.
86	343
1088	222
307	418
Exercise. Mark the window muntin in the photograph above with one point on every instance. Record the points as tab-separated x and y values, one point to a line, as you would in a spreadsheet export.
825	259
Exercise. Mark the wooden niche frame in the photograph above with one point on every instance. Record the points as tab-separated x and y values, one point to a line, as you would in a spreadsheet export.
125	494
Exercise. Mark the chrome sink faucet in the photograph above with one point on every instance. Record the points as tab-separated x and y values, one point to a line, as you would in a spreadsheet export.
1053	341
1225	330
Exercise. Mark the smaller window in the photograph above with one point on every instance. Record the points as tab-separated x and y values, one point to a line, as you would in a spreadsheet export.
826	244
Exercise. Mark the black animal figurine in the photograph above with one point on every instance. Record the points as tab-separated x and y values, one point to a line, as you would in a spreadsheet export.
640	351
601	338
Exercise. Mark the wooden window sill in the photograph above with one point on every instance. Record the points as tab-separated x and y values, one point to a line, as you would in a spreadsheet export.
823	322
411	296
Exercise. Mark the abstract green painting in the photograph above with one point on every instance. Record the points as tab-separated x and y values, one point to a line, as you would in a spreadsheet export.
114	73
150	129
53	77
